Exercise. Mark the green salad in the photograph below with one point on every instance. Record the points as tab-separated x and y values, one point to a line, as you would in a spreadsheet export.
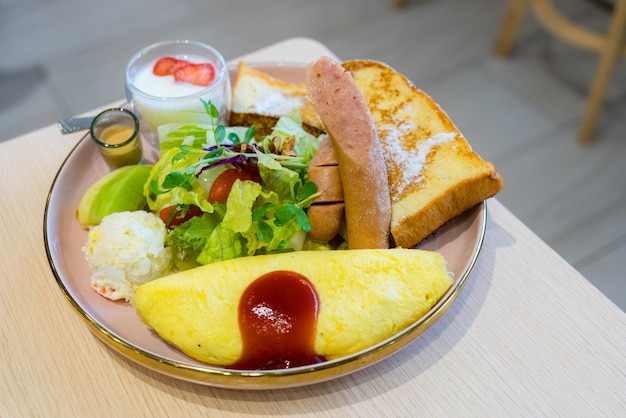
224	193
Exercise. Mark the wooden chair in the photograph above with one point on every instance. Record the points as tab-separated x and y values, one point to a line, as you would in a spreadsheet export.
609	46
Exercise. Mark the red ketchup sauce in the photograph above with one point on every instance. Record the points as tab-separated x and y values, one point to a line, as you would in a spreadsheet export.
277	319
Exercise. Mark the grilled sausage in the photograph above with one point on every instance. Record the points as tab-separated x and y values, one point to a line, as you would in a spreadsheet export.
325	220
345	114
326	211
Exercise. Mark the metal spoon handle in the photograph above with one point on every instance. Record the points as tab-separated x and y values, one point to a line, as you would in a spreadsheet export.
70	125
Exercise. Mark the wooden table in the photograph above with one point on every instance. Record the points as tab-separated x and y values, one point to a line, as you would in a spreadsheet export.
527	336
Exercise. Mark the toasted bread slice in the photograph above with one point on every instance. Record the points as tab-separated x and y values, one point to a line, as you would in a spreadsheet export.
259	99
433	173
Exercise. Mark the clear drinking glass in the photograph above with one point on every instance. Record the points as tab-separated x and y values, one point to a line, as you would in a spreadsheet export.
159	102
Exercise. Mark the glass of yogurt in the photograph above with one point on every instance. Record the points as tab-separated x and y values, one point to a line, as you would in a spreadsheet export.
161	94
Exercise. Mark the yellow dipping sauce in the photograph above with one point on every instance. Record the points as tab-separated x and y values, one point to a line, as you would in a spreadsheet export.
120	156
116	134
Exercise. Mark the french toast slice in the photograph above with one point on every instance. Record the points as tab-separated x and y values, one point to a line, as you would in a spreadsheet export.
434	175
258	100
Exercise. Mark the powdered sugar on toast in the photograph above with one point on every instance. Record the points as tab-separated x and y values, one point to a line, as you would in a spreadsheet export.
274	103
409	162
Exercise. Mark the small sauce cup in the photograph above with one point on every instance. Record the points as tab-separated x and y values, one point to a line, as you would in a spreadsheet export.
116	133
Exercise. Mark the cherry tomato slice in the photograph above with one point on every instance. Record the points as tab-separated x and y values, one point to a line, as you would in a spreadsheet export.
224	182
178	219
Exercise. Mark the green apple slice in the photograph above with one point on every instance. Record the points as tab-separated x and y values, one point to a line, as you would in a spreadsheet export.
118	191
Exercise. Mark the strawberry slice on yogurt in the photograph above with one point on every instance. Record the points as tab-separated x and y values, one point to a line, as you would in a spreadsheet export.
168	66
197	74
201	74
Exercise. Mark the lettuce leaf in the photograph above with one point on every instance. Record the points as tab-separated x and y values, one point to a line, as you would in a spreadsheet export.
157	190
291	124
174	135
243	195
193	235
277	178
223	244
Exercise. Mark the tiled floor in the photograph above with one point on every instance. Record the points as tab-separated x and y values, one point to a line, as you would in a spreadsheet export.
59	58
